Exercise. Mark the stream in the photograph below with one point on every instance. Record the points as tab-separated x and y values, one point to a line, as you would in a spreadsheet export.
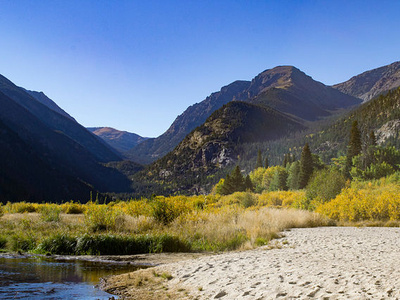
36	277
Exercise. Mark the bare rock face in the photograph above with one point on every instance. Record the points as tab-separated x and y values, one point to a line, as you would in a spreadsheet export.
372	83
388	130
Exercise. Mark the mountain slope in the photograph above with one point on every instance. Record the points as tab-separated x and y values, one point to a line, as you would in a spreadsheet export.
24	176
122	141
195	115
211	146
57	122
289	90
372	83
284	88
58	150
42	98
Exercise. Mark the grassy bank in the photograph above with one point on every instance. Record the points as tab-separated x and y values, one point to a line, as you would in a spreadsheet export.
171	224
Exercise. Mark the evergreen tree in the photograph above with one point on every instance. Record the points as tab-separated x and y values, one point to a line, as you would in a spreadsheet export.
237	180
279	181
248	184
227	187
372	139
259	160
306	166
285	160
354	148
368	155
293	181
266	163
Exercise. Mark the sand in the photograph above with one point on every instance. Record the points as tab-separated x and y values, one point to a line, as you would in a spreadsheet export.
320	263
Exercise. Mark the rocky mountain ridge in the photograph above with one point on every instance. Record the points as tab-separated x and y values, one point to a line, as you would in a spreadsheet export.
284	88
122	141
372	83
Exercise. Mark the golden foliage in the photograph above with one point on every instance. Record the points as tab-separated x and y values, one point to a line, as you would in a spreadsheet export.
373	200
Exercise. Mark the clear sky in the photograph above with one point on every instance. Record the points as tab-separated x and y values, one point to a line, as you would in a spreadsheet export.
136	65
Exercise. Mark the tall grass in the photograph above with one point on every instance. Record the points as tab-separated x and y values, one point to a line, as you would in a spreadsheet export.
178	223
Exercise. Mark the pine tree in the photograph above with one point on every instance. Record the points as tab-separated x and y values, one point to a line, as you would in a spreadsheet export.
259	160
306	166
227	188
294	176
285	160
248	184
372	139
368	157
237	180
354	148
266	163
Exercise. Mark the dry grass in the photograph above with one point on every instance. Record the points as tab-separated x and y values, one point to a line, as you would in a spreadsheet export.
218	224
145	284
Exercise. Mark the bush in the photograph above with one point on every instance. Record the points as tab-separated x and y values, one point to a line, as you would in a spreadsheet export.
377	200
324	185
102	217
106	244
247	199
58	244
50	212
3	242
22	243
165	210
73	208
21	207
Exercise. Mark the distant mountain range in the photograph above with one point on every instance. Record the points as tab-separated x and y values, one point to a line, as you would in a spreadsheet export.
119	140
45	155
284	88
63	148
212	146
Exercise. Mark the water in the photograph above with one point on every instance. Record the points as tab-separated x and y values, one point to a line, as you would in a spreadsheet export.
45	278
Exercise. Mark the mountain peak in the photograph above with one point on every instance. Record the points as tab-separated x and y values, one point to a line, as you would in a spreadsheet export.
372	83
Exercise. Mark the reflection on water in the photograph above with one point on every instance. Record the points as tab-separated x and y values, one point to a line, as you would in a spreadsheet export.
44	278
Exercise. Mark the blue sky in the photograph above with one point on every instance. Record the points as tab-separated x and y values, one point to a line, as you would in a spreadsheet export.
137	65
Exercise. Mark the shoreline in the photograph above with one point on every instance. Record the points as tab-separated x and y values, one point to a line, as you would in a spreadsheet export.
322	263
139	260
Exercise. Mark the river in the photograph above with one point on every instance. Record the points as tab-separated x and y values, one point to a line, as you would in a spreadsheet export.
36	277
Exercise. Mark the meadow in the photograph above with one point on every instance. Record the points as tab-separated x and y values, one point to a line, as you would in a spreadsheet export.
242	220
161	224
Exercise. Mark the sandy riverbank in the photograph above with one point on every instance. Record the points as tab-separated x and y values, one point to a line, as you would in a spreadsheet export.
321	263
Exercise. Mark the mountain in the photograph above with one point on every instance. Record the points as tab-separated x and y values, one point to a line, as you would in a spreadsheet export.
195	115
58	122
289	90
212	146
42	98
25	176
284	88
49	157
372	83
122	141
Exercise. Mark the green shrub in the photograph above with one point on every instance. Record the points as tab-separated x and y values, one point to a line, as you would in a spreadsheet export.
22	243
50	213
324	186
107	244
73	208
163	212
58	244
102	217
246	199
3	242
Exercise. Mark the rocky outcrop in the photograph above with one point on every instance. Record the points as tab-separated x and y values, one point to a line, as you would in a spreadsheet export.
388	130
